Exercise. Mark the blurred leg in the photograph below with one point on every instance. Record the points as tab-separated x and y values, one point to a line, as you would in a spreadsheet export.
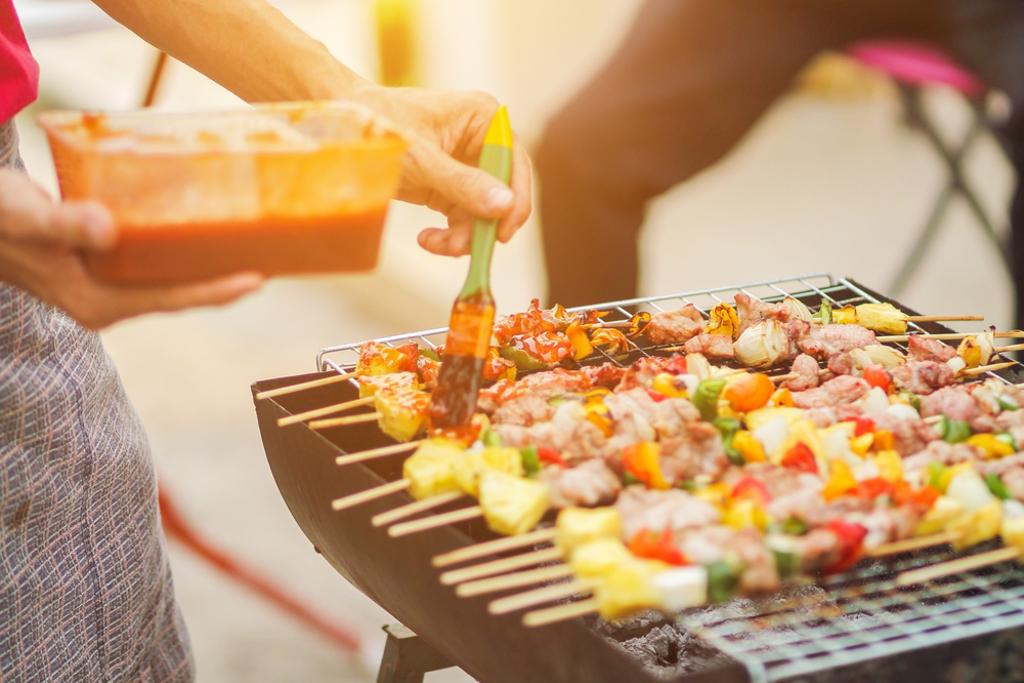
688	82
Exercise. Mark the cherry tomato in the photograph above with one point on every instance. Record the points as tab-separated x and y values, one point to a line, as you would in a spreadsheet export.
877	376
550	456
749	391
872	488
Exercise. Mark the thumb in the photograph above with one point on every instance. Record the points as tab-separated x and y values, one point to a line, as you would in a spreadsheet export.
476	192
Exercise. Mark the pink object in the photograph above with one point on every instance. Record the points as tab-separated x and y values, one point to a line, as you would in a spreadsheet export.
916	64
19	73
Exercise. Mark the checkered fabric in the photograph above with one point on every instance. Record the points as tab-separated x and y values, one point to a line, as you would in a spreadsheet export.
85	586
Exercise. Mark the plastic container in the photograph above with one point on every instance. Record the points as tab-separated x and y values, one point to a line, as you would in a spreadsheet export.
281	188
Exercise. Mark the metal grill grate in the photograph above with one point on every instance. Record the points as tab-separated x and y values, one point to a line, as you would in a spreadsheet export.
849	618
810	289
862	615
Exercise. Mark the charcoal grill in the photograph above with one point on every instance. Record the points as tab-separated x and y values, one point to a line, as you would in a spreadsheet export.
851	626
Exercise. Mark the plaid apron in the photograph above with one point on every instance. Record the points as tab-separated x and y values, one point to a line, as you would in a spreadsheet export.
85	585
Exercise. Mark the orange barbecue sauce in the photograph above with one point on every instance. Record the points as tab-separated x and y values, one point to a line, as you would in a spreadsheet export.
166	254
462	366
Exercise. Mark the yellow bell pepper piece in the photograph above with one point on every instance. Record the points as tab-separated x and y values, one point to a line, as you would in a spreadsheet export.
890	466
749	448
862	444
722	319
840	480
581	346
665	384
745	513
992	447
716	494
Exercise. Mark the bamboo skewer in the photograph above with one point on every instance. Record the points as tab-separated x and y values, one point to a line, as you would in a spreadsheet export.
517	580
551	615
908	544
1007	349
327	410
416	507
415	526
963	564
377	452
345	421
370	494
539	596
947	336
496	546
323	381
941	318
502	566
982	369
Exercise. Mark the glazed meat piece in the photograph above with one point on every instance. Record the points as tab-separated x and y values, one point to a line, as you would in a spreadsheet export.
750	310
544	384
642	373
912	435
937	451
922	377
926	348
653	510
822	341
674	327
589	484
714	346
840	390
975	405
673	417
569	432
698	451
523	410
807	368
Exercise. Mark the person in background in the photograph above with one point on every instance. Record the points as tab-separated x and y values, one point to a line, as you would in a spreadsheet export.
85	586
688	82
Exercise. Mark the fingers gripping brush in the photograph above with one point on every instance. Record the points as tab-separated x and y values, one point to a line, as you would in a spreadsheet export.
453	401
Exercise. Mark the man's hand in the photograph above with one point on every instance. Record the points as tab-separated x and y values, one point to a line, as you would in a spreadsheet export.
446	131
41	243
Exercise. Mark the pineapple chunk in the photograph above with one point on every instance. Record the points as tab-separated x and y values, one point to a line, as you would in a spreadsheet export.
598	557
884	318
473	463
682	587
395	381
943	511
430	470
512	505
1012	529
978	526
403	413
576	526
629	588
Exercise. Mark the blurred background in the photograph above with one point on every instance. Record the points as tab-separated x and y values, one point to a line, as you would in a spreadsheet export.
830	180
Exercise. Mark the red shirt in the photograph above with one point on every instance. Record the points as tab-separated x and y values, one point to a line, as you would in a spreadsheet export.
19	73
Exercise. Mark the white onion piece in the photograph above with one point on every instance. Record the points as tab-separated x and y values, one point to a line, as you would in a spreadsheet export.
886	355
682	587
699	366
970	490
956	364
772	433
875	401
797	310
903	411
762	345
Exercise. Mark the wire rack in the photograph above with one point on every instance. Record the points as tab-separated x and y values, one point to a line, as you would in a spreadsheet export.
811	289
847	619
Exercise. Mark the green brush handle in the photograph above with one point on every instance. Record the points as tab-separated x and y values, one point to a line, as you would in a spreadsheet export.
495	159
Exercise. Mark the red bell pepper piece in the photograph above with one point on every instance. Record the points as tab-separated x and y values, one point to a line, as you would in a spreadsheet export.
800	457
677	366
872	488
657	396
850	539
656	546
753	489
550	456
863	425
922	498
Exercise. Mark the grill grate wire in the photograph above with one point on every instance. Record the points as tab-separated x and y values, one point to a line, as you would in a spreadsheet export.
848	618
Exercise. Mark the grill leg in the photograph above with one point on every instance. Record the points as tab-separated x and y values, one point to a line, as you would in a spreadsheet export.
407	657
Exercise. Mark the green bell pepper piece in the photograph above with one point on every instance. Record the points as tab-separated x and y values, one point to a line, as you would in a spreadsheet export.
705	398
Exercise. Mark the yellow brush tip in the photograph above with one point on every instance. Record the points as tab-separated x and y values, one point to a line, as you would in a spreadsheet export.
500	131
